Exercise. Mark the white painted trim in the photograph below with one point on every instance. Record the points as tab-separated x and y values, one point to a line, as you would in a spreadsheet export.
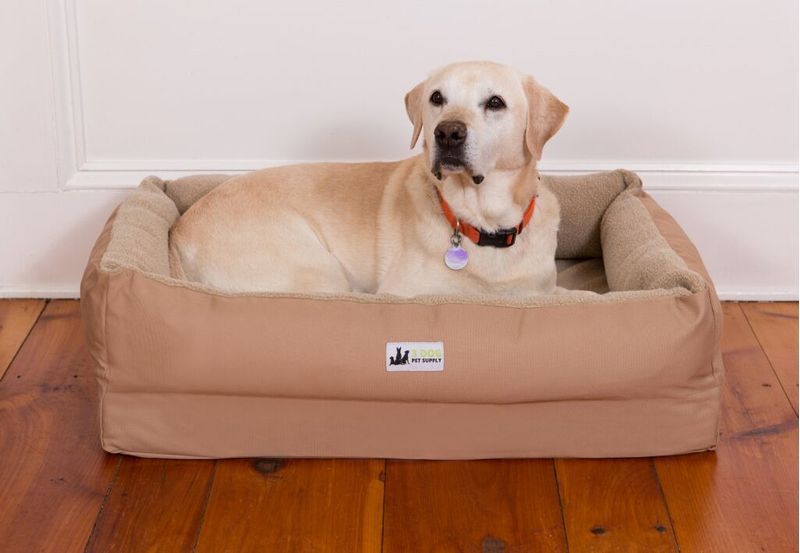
724	295
68	99
706	177
758	295
557	166
43	293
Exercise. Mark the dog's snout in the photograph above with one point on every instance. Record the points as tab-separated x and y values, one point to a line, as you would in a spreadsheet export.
450	134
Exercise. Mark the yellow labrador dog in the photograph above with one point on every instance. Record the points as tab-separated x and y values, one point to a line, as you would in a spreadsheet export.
467	216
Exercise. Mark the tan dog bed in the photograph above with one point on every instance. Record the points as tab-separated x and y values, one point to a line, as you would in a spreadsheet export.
633	370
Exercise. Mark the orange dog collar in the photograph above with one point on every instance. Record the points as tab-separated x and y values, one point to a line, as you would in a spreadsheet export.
501	238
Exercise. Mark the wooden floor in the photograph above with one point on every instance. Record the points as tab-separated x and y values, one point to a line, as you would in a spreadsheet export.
59	492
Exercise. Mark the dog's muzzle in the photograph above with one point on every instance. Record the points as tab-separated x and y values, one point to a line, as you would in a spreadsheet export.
451	137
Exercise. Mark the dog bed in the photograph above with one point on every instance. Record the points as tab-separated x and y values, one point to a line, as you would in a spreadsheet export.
633	369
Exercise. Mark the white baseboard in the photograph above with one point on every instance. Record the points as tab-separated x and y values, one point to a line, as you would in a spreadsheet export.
758	295
744	220
706	177
41	293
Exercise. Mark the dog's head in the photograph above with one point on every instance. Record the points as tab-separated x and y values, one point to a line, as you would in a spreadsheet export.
480	116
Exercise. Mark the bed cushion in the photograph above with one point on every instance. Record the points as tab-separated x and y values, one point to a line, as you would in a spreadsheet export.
632	369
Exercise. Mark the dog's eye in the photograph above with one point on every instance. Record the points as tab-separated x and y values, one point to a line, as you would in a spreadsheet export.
495	103
436	98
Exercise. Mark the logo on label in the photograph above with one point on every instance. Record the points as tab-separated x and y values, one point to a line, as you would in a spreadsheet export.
414	356
397	359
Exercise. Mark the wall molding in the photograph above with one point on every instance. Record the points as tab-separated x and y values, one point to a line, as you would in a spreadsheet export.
65	68
705	177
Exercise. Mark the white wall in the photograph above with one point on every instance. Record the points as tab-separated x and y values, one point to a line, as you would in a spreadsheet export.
699	97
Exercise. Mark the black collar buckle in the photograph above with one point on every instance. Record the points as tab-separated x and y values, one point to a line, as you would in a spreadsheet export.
501	238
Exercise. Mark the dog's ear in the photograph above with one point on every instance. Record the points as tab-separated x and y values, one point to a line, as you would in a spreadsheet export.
414	110
546	114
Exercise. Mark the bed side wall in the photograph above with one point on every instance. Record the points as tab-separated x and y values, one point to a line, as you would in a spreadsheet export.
683	246
174	347
94	307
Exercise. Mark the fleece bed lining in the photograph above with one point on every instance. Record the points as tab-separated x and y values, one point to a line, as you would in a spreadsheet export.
607	244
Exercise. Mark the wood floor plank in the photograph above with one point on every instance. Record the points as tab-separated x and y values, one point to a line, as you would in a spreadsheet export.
155	505
614	505
17	318
483	506
295	506
53	474
752	397
775	326
744	496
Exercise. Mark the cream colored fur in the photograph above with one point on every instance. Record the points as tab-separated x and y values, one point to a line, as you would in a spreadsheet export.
378	227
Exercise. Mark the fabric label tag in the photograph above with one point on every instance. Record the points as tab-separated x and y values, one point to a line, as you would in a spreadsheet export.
414	356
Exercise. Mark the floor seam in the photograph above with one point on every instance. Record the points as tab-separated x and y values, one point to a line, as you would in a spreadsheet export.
103	504
666	504
561	505
24	340
766	356
383	512
206	501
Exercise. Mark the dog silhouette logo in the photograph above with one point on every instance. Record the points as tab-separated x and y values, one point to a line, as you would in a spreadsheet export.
397	359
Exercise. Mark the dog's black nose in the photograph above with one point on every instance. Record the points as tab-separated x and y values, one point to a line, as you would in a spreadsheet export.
450	134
